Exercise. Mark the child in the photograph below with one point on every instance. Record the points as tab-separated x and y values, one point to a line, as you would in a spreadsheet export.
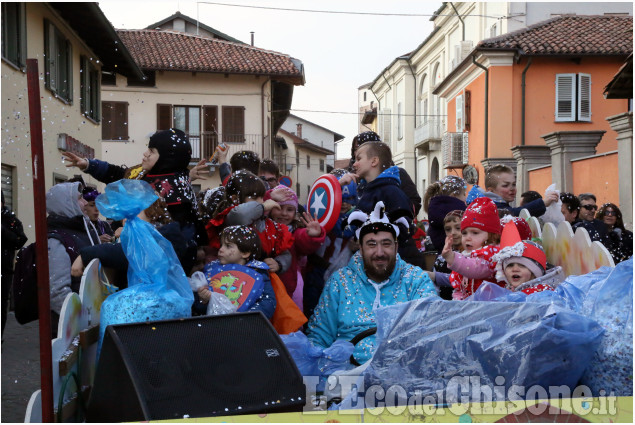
441	197
90	209
480	234
241	245
373	165
307	239
521	264
441	273
244	205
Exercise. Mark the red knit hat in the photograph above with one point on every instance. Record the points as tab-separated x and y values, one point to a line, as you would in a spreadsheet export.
482	214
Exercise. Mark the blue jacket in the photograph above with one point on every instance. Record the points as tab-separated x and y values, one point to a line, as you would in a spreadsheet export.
347	305
386	188
536	208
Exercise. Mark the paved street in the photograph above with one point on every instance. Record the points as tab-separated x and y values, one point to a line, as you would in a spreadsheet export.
20	368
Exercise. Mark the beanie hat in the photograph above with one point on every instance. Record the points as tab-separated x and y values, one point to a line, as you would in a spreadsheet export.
515	250
293	198
482	214
367	136
376	221
174	150
523	227
89	194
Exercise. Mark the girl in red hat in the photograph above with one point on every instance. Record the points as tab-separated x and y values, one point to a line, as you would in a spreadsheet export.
480	234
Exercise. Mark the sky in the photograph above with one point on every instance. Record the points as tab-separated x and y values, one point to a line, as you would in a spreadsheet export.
340	52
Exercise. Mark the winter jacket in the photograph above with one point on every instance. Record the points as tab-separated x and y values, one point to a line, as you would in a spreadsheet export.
469	270
303	245
536	208
347	305
438	208
13	238
65	214
620	244
596	228
386	188
265	303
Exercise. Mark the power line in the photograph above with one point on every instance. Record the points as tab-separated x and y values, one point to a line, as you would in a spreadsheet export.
339	12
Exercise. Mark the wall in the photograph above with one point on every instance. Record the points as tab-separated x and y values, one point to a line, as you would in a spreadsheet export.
57	116
598	175
540	103
313	133
540	179
184	89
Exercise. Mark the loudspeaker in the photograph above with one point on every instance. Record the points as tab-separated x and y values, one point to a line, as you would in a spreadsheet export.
195	367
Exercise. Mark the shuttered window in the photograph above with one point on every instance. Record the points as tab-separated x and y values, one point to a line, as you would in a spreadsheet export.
58	63
573	97
233	124
14	33
90	89
7	186
114	121
164	116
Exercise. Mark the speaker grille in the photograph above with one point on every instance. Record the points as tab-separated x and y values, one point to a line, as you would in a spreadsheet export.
209	366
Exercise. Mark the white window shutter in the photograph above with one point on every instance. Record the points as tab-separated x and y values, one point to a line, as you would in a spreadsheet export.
459	113
386	122
565	97
584	97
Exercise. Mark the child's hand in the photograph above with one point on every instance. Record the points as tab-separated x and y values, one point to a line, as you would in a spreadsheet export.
347	178
75	161
199	171
447	252
270	204
222	154
313	228
77	269
281	195
205	294
551	197
274	267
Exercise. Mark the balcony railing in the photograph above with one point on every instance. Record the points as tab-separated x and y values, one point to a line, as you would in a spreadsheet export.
429	130
204	144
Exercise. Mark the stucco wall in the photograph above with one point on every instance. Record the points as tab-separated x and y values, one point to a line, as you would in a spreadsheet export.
540	179
57	116
598	175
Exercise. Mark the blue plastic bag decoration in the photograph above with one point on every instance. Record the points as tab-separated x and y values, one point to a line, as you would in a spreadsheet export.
157	286
610	303
313	360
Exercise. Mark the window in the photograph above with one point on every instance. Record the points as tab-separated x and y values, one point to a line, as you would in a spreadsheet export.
7	184
59	62
90	100
308	162
188	119
573	97
114	121
14	33
321	165
364	96
149	81
233	124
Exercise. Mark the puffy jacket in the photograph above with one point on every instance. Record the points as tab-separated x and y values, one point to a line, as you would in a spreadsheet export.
347	305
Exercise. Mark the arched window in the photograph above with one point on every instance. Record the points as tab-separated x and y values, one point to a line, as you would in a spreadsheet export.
434	170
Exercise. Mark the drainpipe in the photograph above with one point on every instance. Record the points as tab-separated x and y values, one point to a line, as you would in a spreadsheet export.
460	19
522	121
486	101
262	118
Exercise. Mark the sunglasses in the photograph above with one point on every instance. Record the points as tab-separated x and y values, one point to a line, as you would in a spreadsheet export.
590	207
272	180
610	213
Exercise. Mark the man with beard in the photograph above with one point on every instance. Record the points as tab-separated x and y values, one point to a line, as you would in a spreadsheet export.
375	277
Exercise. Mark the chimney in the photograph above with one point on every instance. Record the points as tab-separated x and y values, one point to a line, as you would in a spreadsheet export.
252	37
299	131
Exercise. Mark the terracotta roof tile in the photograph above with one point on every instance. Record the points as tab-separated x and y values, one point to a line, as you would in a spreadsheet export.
176	51
570	35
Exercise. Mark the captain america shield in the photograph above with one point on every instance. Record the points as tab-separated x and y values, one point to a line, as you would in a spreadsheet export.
325	201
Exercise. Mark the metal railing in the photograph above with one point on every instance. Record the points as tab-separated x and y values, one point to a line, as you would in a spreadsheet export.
429	130
204	144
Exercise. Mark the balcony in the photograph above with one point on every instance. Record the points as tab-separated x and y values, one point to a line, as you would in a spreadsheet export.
428	131
203	145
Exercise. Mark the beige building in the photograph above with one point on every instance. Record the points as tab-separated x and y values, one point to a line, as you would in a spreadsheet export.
73	43
301	160
212	89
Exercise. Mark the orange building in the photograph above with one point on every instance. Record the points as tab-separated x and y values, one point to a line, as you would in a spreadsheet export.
533	99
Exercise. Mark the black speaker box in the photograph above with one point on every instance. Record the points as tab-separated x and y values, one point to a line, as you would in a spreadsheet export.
195	367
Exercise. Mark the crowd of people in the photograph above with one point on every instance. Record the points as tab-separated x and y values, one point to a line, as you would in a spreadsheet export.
336	277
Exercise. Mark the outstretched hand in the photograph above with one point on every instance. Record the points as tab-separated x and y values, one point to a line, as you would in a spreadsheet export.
199	171
313	228
447	253
75	161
